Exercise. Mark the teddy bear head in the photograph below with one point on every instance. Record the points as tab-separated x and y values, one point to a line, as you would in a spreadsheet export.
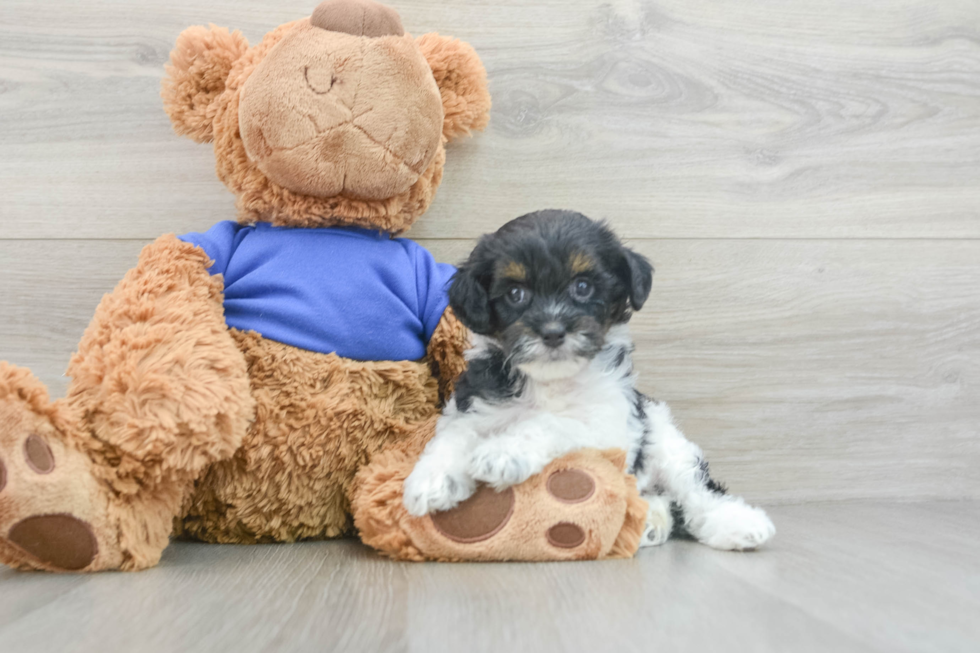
336	119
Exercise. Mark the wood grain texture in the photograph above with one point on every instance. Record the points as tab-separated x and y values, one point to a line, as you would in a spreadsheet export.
867	576
672	118
805	369
804	176
809	170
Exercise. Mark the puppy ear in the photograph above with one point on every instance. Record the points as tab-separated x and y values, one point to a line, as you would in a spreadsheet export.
462	81
199	65
470	301
637	273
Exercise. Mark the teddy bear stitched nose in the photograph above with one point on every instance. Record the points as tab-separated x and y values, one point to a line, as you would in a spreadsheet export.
357	17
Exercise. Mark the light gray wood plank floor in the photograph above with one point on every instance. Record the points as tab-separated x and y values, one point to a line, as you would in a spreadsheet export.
859	576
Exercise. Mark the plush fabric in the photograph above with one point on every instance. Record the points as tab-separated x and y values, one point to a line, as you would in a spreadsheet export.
344	290
172	415
606	522
178	423
71	488
196	75
329	92
209	110
357	17
461	80
159	392
319	418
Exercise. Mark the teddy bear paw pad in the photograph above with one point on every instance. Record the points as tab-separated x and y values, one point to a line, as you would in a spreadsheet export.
59	541
478	518
529	510
571	486
38	455
566	535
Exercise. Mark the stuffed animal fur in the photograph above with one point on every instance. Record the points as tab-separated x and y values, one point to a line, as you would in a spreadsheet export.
179	423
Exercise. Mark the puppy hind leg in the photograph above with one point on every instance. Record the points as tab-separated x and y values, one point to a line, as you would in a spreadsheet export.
660	521
712	516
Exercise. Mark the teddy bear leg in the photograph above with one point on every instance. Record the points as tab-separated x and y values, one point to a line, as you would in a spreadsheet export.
583	506
53	511
159	392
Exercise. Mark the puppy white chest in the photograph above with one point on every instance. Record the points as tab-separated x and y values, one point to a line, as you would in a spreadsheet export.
596	401
554	397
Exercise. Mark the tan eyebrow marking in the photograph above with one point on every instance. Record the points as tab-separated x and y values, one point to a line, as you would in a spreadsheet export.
580	263
515	270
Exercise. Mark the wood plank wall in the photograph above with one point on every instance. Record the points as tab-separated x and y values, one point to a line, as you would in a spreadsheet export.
804	174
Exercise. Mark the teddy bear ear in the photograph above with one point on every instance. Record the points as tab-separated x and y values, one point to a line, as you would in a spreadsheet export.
462	81
199	65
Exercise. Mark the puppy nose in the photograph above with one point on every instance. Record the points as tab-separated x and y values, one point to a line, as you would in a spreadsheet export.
553	334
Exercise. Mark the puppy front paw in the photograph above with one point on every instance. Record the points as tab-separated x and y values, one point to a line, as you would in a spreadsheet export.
432	488
500	466
735	526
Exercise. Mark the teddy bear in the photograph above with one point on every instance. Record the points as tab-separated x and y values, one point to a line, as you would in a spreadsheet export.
274	378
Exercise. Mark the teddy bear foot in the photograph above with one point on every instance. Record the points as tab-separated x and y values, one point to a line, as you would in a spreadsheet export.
581	507
53	512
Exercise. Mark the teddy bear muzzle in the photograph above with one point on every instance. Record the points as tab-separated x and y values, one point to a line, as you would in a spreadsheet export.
330	112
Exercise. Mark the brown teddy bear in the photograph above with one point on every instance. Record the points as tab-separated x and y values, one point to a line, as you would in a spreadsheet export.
181	419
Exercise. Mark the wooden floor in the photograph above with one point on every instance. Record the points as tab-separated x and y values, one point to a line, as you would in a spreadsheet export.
839	577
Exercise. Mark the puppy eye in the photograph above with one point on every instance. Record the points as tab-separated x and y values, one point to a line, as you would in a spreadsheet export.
582	289
516	295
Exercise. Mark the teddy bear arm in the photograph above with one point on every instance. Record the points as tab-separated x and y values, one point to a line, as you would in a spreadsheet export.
159	391
157	378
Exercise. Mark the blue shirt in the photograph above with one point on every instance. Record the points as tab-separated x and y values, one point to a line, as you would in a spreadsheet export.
356	292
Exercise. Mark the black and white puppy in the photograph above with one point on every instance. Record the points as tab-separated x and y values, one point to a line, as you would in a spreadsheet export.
548	298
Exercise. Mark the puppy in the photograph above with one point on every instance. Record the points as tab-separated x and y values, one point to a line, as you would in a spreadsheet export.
548	298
